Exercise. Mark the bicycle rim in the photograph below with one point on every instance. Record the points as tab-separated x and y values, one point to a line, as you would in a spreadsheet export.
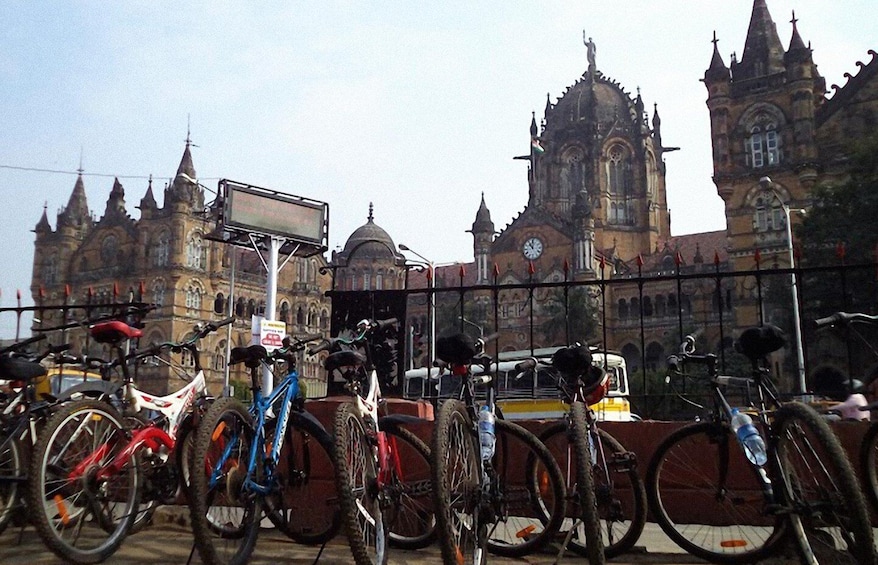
829	519
81	517
411	521
12	471
359	496
457	487
225	517
305	505
528	501
708	498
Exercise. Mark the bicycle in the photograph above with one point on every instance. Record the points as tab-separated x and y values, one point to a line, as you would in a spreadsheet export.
724	502
491	501
101	463
869	445
22	415
263	457
382	469
614	489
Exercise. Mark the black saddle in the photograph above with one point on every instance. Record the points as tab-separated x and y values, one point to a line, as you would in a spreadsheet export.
455	349
756	343
14	369
251	356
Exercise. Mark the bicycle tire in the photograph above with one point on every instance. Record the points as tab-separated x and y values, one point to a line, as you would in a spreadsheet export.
80	431
457	486
708	498
305	508
869	464
356	474
145	512
411	521
585	490
619	489
528	515
225	518
13	465
819	477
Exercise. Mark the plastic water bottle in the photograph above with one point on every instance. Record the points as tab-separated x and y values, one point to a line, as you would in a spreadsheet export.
748	435
486	432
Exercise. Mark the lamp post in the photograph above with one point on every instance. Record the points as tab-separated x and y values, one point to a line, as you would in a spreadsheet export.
431	280
768	186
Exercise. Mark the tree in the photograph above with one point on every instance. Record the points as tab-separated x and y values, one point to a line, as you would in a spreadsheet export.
844	214
580	316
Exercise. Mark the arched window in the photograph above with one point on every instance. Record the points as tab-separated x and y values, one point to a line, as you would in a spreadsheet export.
251	308
193	298
623	309
660	306
219	356
109	250
769	215
762	144
367	280
300	316
240	307
379	281
617	168
158	292
196	252
324	320
673	310
50	270
161	250
284	315
647	306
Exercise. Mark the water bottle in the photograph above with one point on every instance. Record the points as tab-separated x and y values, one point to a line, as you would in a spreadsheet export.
748	435
486	432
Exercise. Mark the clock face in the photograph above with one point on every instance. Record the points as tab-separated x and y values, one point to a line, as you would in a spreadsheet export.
533	248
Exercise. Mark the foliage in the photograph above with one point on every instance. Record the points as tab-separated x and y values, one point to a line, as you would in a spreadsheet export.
579	318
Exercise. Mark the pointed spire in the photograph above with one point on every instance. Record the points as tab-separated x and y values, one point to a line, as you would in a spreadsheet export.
43	225
763	51
533	124
186	165
371	217
796	41
548	105
656	125
116	201
148	201
483	223
76	213
798	51
717	70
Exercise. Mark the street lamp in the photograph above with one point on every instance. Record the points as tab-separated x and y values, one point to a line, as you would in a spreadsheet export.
768	187
431	280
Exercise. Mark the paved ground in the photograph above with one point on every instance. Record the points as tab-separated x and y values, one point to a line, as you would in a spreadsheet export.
167	542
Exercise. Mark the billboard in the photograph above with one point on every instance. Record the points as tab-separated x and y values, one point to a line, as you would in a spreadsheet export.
274	213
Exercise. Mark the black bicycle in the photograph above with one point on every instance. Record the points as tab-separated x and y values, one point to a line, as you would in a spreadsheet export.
728	501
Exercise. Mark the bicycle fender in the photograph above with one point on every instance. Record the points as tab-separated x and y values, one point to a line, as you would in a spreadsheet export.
397	419
310	417
90	389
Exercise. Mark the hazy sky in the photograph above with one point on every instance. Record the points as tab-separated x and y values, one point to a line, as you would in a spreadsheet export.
418	107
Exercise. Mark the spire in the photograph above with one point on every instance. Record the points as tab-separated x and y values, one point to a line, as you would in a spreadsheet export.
656	125
76	213
116	201
763	52
43	225
186	165
371	217
483	223
798	51
548	105
148	201
533	124
717	70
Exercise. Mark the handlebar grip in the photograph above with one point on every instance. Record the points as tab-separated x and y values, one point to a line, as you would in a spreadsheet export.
320	347
828	321
382	324
673	363
490	337
309	338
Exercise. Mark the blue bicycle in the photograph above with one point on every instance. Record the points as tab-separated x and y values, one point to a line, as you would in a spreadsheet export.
273	457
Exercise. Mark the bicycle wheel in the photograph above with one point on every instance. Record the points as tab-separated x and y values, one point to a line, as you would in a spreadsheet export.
829	519
708	498
619	490
81	514
305	506
148	503
869	464
356	475
13	465
527	514
457	487
225	517
411	523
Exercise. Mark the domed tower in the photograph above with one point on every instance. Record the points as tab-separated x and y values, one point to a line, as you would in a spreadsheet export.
596	169
369	260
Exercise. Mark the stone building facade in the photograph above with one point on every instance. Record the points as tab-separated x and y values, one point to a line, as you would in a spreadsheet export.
165	255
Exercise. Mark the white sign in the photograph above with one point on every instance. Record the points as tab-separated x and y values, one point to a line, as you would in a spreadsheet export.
269	334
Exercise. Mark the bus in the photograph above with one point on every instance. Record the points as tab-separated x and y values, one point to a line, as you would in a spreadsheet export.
533	395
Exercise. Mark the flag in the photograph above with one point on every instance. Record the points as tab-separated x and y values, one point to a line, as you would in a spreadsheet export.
536	147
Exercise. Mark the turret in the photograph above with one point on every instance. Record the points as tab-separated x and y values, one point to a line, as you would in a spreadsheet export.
483	235
763	51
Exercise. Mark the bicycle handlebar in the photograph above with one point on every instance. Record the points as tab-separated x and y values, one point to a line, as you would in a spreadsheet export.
19	345
845	318
365	328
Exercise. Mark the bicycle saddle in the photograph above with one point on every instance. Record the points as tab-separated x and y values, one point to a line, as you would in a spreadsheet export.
20	369
455	349
756	343
114	332
345	358
250	356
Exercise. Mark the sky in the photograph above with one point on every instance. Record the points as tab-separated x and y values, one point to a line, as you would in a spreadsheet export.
415	107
